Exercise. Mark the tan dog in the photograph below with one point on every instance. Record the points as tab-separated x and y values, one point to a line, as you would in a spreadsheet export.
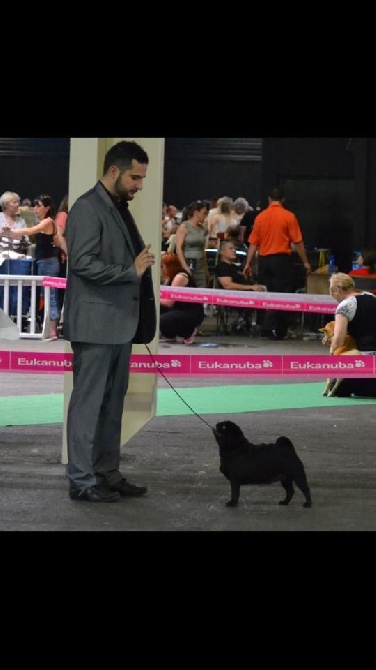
348	348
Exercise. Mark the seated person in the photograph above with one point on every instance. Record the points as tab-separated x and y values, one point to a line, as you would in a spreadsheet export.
356	315
367	261
178	318
228	274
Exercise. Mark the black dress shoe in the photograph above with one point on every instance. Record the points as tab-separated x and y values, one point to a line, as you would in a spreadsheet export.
94	493
128	490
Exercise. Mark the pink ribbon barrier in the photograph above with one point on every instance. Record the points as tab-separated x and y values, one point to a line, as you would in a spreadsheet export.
205	365
290	302
221	365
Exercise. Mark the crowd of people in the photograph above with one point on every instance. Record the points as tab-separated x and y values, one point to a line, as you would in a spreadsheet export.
268	236
37	247
222	214
199	226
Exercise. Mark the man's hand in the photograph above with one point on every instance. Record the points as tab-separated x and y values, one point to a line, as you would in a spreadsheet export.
247	271
144	260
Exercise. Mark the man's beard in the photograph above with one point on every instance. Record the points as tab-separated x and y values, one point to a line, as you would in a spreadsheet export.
121	192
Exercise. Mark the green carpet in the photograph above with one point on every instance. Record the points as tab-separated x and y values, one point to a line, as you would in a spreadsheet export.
31	410
231	399
248	398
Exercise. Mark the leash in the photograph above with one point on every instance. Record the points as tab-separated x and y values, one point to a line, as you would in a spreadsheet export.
175	391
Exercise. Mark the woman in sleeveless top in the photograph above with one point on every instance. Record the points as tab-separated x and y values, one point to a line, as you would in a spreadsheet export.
356	315
178	318
46	253
190	243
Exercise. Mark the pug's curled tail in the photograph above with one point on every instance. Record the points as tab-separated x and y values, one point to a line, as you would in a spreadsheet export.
284	441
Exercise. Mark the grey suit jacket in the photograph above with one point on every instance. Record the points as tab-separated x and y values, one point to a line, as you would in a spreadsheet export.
102	297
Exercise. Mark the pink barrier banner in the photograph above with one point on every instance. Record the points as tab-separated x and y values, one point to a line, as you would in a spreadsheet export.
5	364
55	282
169	365
35	362
237	365
289	302
330	366
205	365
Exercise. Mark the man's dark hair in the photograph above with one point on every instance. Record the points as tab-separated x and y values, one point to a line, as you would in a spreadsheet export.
276	193
122	154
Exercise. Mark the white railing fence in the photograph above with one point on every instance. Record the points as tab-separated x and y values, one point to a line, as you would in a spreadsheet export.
35	330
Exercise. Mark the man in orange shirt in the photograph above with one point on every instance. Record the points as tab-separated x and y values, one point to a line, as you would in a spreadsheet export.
274	231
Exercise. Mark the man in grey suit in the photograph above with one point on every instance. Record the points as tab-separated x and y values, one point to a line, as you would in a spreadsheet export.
109	304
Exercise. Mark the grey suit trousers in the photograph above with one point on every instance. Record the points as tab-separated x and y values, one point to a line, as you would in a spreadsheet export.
100	382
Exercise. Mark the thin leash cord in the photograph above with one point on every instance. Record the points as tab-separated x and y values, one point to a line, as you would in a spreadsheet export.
174	390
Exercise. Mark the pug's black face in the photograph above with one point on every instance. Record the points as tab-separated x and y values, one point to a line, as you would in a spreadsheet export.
228	428
228	435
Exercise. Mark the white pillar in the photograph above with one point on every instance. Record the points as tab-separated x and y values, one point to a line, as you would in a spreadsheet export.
85	168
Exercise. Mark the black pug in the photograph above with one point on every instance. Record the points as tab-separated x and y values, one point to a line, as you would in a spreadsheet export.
242	462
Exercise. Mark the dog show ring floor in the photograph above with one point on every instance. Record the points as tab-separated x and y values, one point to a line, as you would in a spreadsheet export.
175	455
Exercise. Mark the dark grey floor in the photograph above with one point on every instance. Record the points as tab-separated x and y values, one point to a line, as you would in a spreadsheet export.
177	458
